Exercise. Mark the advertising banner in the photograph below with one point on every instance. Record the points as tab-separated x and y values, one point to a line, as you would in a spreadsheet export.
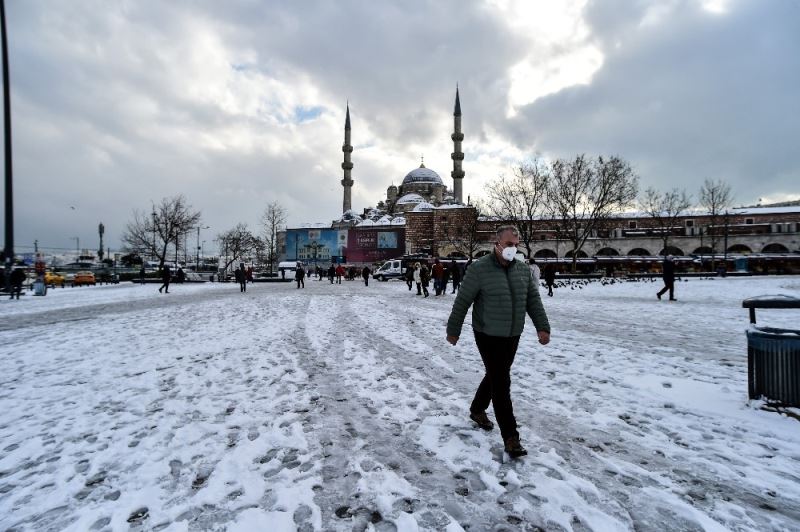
311	246
374	245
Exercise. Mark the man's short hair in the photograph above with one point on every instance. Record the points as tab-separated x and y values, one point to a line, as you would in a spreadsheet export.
503	228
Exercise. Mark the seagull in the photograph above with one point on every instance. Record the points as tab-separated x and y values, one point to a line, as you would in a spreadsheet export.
71	207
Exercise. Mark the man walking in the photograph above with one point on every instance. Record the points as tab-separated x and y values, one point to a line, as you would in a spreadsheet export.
437	272
549	278
668	274
502	292
300	275
365	274
166	276
455	275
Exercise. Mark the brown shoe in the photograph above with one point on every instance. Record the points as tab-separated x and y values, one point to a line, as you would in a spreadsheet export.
482	420
514	448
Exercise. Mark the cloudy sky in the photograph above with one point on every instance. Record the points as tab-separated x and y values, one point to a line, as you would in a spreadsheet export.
119	103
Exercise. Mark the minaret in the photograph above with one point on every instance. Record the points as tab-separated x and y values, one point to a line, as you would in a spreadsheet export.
457	155
347	148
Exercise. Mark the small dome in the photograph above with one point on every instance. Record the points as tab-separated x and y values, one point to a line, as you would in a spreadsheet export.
399	220
349	215
384	220
422	175
410	198
365	223
423	207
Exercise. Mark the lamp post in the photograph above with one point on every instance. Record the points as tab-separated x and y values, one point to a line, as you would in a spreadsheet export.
77	245
9	203
197	264
154	232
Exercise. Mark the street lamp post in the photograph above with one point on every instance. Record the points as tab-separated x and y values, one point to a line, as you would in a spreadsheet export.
9	203
197	263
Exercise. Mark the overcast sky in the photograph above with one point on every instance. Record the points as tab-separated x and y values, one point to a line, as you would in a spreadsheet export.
117	104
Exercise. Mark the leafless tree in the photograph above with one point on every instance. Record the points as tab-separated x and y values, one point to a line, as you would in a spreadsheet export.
665	208
520	199
716	198
464	239
237	244
583	194
273	219
152	233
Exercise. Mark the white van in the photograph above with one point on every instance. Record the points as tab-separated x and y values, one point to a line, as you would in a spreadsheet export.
391	269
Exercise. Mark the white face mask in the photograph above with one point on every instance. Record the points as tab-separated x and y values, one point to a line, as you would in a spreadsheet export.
509	253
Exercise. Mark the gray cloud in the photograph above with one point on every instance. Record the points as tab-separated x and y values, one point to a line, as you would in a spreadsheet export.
118	104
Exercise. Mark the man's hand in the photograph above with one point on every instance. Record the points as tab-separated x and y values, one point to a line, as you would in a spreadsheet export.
544	337
452	339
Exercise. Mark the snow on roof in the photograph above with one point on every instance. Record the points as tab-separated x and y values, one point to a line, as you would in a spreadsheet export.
424	206
410	198
384	220
365	223
399	220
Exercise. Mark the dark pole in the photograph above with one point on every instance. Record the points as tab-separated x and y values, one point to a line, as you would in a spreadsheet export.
9	248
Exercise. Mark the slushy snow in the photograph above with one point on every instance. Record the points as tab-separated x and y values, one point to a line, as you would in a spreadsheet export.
342	407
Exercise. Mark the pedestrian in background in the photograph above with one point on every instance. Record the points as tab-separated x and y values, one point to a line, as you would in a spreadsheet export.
331	273
437	272
299	276
17	278
549	278
668	275
166	277
141	274
241	277
339	274
425	278
502	292
365	274
455	275
535	271
409	276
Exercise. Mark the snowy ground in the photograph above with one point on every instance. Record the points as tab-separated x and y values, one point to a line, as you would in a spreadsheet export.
341	407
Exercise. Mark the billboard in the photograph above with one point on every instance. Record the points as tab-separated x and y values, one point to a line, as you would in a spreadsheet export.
374	245
315	245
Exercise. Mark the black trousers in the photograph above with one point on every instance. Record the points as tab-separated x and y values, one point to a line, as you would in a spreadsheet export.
498	354
668	285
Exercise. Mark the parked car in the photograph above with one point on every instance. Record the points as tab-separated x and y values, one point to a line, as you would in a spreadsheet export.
83	278
54	279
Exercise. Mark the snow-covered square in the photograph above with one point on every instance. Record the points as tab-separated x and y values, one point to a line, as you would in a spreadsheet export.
342	407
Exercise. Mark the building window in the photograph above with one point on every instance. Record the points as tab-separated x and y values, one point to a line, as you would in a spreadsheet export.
689	223
632	224
444	218
748	221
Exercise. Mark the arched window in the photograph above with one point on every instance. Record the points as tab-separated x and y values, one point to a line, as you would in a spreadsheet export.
702	250
607	252
775	248
580	254
671	250
739	248
545	254
639	252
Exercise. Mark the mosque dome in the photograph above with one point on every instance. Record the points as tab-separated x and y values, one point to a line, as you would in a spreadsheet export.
366	223
384	220
410	198
422	175
398	220
423	207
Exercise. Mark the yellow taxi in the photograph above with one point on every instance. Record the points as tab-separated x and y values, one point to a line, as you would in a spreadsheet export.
53	279
83	278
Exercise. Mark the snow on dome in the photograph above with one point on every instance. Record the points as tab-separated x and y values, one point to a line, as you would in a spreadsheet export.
349	215
399	220
410	198
366	222
422	175
423	207
385	220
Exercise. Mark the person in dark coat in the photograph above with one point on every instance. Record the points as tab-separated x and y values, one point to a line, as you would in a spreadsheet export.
425	278
549	278
299	276
365	274
668	274
166	277
455	275
410	276
241	277
141	274
17	277
180	276
437	272
331	273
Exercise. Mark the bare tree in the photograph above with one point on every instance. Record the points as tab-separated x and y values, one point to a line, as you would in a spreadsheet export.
520	199
152	233
237	243
272	220
665	208
716	198
464	238
583	194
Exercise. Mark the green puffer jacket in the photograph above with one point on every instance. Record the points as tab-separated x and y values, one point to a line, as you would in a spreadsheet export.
501	297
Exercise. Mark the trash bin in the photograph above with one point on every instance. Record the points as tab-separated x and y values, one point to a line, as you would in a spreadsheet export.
773	355
39	288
